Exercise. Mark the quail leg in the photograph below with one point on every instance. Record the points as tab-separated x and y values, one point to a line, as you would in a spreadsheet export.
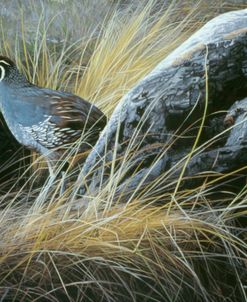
63	183
53	176
51	170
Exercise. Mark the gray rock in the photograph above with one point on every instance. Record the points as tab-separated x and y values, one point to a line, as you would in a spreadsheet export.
174	94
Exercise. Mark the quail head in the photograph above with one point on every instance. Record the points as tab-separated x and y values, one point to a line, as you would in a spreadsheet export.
42	119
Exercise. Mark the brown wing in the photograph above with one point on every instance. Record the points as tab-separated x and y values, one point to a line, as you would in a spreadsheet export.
70	111
58	118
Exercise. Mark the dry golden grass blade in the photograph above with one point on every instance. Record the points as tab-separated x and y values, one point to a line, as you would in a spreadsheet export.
144	239
128	48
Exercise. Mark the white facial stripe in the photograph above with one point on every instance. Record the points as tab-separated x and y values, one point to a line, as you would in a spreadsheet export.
4	62
2	75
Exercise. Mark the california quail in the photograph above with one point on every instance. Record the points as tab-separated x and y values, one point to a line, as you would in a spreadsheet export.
42	119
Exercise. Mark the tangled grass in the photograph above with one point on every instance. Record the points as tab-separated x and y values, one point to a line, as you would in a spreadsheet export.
173	246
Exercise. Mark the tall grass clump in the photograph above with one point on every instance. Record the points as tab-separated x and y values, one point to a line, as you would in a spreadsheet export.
181	245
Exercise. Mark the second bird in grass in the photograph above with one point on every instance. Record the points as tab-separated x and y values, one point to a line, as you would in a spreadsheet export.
42	119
